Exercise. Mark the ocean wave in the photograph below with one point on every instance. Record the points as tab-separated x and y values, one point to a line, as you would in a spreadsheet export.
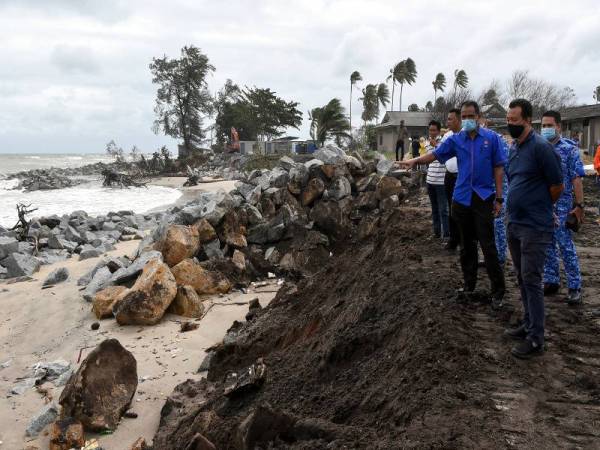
75	158
92	198
33	157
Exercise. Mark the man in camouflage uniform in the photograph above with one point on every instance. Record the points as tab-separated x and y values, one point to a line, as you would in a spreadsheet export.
499	221
571	201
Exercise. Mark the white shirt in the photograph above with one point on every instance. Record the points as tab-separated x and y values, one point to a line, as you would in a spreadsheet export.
436	170
451	164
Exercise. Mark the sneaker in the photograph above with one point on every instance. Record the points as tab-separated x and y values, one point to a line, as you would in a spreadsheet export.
518	333
527	349
550	289
574	298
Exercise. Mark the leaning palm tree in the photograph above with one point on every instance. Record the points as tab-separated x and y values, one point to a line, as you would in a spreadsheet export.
383	96
405	72
370	103
354	78
329	121
460	79
438	85
393	76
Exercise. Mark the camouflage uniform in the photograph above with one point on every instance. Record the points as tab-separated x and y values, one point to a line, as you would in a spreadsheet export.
572	167
500	221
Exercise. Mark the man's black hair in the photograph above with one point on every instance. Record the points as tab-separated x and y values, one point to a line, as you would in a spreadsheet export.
436	124
554	114
456	111
472	103
525	105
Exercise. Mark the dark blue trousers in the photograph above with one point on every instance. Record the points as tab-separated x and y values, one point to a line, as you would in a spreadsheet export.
528	250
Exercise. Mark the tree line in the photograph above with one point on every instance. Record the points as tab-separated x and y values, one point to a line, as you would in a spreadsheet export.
184	102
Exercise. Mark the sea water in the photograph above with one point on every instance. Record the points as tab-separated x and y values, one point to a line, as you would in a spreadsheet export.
91	196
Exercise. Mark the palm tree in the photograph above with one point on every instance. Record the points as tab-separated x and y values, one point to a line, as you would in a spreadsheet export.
438	85
460	79
370	102
354	78
405	72
383	96
329	121
597	94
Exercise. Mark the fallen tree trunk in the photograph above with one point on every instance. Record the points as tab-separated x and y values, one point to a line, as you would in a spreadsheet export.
117	179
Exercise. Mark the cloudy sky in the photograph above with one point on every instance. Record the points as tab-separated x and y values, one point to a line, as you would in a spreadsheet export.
75	72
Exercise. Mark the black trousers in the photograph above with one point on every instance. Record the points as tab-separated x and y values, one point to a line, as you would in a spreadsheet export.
449	183
476	223
400	146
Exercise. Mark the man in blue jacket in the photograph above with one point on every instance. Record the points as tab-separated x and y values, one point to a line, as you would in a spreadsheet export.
478	195
535	183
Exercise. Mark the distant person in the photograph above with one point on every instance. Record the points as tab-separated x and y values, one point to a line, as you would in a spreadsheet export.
454	124
570	202
477	195
402	136
535	183
435	185
415	146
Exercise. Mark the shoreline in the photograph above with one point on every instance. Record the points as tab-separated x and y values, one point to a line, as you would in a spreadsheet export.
52	324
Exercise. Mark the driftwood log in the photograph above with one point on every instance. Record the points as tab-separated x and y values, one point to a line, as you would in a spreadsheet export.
117	179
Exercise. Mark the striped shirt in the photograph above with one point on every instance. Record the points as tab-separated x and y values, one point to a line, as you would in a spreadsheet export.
436	170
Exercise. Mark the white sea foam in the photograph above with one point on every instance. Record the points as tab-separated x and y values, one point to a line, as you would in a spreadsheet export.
92	198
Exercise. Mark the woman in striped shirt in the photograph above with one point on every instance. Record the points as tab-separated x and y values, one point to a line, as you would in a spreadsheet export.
435	185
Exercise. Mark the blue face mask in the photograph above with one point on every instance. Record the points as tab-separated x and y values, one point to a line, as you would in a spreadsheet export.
549	133
469	124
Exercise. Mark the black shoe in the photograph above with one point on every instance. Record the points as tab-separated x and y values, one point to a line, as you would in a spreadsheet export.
527	349
518	333
497	300
550	289
574	298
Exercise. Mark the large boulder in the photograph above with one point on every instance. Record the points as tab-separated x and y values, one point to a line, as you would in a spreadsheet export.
332	217
338	189
388	186
8	245
99	281
179	242
104	300
384	166
313	191
206	232
131	272
187	303
102	388
189	272
149	298
331	154
73	235
233	231
58	242
41	420
19	265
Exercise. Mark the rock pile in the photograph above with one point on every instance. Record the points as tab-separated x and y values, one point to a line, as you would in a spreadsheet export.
56	238
45	180
284	220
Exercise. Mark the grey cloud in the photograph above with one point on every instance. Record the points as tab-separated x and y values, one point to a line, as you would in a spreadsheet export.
104	10
70	58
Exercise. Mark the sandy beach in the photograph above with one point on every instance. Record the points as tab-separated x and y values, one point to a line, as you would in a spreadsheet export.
43	325
190	192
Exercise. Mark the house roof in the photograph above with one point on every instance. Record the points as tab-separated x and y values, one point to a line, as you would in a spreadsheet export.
578	112
411	119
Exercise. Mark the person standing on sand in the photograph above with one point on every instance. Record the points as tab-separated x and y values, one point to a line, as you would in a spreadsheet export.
453	122
402	136
535	182
435	185
570	202
477	195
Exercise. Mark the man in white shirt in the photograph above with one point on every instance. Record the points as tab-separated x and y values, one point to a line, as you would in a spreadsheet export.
435	185
454	125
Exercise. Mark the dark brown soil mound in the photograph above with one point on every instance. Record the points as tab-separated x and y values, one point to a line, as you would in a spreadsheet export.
373	352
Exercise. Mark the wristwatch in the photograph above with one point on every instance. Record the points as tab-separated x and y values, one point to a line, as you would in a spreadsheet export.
578	205
499	200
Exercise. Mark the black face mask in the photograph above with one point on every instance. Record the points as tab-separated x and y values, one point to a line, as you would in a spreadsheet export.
516	130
